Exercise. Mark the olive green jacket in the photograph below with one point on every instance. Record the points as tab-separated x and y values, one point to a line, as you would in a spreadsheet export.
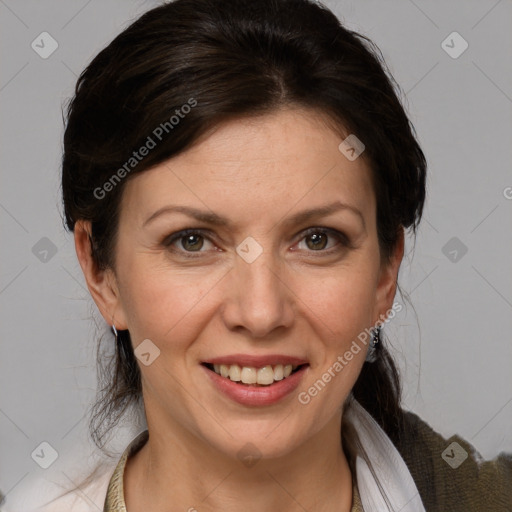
450	475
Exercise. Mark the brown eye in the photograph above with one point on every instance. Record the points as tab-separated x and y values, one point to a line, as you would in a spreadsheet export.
318	241
186	241
192	242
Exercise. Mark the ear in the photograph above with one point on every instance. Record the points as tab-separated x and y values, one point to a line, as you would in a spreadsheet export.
386	287
101	283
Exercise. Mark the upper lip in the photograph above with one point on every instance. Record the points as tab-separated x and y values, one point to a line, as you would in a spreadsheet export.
256	361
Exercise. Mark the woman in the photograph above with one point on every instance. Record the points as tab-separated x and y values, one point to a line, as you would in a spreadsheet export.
239	177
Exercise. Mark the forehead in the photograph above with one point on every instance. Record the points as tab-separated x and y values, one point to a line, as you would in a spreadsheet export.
255	166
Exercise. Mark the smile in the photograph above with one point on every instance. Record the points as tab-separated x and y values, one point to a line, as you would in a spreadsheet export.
254	380
251	375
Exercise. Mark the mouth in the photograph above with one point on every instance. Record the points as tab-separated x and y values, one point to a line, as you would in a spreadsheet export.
254	376
256	380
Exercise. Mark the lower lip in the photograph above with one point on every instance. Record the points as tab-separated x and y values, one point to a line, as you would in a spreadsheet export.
256	395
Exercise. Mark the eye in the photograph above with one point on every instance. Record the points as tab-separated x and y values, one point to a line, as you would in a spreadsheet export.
189	240
316	239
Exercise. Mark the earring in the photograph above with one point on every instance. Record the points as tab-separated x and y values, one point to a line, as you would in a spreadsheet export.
114	330
371	355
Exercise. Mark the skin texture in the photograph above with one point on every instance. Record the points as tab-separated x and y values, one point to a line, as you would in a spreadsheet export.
296	298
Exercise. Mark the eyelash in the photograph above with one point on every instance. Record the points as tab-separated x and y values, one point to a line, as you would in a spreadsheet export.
341	238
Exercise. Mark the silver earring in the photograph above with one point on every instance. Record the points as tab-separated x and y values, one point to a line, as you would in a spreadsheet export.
371	355
119	343
114	330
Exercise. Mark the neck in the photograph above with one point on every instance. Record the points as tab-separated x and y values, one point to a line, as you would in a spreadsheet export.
181	469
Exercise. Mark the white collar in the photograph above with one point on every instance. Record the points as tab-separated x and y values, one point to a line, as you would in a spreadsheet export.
383	479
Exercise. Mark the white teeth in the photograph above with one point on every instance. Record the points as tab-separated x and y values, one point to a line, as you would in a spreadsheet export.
265	375
278	372
235	373
224	370
250	375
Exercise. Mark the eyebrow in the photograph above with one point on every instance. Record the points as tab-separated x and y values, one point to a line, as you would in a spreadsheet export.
217	220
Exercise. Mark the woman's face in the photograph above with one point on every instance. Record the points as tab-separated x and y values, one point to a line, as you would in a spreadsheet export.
263	281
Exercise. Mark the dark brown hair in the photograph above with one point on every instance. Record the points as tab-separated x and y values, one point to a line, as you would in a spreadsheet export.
233	58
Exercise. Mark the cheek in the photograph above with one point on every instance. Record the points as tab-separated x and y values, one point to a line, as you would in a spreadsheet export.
338	312
344	301
163	304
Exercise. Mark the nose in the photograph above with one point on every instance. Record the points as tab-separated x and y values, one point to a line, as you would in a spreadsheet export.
259	299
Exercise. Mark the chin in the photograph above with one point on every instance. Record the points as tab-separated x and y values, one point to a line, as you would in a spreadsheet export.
268	439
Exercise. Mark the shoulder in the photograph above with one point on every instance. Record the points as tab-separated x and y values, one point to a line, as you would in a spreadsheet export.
50	494
450	474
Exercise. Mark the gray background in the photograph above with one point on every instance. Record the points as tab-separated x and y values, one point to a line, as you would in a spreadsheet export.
455	352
